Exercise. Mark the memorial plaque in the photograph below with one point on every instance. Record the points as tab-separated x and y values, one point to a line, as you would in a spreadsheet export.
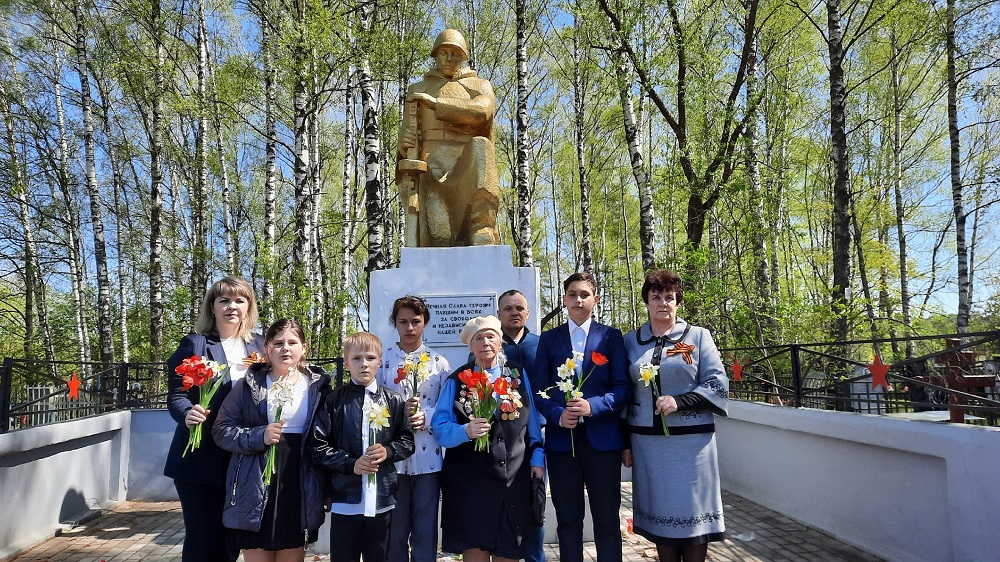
450	313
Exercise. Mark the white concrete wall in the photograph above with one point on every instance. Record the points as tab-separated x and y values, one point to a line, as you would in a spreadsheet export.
55	475
903	490
152	431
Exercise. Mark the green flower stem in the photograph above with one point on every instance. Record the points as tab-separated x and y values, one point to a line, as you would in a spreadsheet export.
206	393
270	466
371	441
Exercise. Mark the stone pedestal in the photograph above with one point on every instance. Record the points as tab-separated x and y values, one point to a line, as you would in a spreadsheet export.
458	284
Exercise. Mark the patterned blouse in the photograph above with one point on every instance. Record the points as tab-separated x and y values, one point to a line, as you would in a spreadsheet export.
430	375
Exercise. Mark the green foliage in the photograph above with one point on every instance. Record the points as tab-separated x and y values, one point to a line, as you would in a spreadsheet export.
788	214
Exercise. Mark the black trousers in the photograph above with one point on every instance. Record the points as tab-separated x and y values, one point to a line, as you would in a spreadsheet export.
356	537
600	471
204	534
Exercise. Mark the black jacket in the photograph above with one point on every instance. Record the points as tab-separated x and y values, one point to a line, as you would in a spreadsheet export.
240	430
206	464
335	442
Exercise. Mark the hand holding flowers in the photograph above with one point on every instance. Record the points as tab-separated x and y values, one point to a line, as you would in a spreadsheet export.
415	369
647	374
280	394
483	404
207	376
576	405
378	417
483	400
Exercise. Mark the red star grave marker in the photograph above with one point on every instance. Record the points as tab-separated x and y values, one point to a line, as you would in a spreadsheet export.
878	369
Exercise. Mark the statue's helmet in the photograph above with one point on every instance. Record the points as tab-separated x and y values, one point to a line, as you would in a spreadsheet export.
453	38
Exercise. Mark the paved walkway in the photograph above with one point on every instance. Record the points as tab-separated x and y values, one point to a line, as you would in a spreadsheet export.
155	531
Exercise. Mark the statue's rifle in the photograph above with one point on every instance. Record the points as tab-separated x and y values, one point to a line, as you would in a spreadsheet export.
409	169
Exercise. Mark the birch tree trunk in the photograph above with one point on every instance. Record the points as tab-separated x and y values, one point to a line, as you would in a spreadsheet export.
228	230
118	190
72	220
522	235
897	188
403	68
34	284
756	214
347	228
156	193
199	198
374	207
579	99
270	160
317	283
472	15
841	170
104	323
863	273
777	190
964	301
632	138
302	251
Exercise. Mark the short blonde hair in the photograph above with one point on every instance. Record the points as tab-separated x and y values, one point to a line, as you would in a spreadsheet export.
366	341
232	287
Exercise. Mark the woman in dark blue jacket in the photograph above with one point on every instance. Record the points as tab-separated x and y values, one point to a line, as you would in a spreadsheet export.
273	508
222	334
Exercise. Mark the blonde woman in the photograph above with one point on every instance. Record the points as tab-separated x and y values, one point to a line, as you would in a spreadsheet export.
223	333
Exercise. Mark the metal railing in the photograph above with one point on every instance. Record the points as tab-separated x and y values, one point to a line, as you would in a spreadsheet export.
34	393
822	376
810	375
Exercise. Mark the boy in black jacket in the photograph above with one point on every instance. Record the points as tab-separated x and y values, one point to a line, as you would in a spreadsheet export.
360	431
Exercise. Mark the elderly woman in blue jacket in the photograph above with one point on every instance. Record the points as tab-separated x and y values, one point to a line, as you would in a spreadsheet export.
274	503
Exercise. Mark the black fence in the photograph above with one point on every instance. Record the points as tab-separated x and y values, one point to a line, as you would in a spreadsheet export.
34	393
951	378
944	377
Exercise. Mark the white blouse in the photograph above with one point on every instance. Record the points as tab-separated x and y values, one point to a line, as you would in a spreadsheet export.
295	411
236	351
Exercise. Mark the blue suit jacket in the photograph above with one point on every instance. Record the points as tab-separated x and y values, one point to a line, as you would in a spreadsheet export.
607	388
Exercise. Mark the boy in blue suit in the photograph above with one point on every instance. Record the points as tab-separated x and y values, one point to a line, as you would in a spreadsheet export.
583	439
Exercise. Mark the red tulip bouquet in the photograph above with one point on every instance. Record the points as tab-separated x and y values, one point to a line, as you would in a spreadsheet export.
207	376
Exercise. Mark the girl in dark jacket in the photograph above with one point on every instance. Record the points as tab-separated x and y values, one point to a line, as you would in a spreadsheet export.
223	333
274	496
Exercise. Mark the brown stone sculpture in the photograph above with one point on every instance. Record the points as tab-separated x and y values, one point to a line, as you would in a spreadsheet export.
446	168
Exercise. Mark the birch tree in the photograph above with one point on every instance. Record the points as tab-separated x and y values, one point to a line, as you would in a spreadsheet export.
954	142
155	132
70	214
706	166
378	256
35	288
270	153
522	235
579	103
104	321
